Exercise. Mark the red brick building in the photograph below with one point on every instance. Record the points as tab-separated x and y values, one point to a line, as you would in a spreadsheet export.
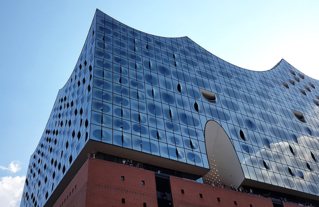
102	183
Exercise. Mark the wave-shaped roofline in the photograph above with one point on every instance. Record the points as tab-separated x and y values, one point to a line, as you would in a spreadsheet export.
277	64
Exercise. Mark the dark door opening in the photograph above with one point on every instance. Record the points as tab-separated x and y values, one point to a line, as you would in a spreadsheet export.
276	202
163	188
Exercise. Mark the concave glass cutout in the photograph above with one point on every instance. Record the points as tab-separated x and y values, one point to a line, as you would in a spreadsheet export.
209	96
285	84
242	135
299	115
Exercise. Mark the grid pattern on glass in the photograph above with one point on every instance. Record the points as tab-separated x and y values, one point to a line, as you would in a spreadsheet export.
66	132
156	84
145	93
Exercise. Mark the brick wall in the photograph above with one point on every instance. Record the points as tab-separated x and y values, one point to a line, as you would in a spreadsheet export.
75	193
105	185
99	183
210	195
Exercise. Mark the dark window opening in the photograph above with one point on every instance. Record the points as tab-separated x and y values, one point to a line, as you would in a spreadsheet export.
201	195
122	178
235	203
316	102
170	113
290	172
179	88
144	204
143	182
285	84
312	85
191	144
307	88
209	96
86	136
301	76
218	199
292	72
196	107
291	150
153	92
292	82
313	157
182	191
265	165
299	115
308	166
242	135
123	200
303	91
297	79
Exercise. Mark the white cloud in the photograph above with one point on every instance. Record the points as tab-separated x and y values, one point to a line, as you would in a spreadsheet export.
13	167
11	189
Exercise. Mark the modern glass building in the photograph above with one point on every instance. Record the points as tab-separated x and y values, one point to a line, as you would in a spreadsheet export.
170	105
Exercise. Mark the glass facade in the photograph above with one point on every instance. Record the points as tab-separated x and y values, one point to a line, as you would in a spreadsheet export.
146	93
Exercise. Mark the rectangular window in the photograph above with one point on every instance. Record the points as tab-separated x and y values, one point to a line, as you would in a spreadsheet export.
235	203
143	182
122	178
182	191
200	195
123	200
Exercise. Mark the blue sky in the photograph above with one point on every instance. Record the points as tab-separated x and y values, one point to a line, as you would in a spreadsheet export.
40	42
